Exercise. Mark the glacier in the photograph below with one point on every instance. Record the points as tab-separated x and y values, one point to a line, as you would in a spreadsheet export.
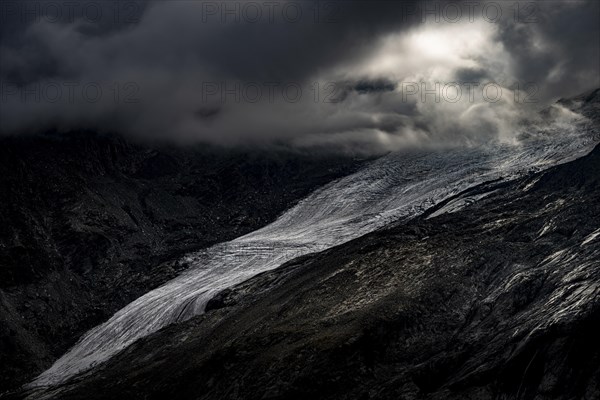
397	186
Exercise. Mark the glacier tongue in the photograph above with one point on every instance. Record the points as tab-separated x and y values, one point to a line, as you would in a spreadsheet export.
399	185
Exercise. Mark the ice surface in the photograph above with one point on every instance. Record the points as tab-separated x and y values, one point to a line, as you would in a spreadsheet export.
399	185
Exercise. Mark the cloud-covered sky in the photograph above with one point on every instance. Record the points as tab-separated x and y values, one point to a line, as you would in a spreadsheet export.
373	74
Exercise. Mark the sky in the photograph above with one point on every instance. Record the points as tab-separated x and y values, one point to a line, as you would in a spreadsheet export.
369	75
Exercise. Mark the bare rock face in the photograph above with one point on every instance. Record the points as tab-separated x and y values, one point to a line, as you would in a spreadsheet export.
90	222
499	300
495	299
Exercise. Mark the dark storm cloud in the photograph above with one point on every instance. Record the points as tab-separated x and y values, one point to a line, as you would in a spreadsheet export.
26	57
555	45
472	75
166	55
189	70
284	43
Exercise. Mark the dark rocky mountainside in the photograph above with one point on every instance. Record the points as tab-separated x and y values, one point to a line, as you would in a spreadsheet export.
90	222
498	301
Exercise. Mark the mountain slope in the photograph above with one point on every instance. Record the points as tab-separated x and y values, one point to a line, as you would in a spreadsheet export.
491	293
499	300
90	222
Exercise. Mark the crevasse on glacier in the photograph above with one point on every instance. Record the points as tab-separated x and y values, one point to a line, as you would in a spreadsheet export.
399	185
